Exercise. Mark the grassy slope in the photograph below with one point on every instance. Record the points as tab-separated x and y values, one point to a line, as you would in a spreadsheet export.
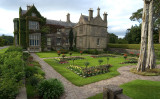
142	89
80	81
98	96
3	50
54	54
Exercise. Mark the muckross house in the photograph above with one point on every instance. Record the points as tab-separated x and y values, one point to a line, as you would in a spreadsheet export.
36	33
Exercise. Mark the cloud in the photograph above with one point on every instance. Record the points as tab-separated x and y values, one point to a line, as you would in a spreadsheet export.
118	11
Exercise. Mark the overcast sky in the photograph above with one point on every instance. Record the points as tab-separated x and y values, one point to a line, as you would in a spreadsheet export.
118	11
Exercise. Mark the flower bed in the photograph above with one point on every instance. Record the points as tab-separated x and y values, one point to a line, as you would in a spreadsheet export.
99	56
91	71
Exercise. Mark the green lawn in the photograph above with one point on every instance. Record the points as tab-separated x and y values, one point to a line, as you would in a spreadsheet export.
54	54
142	89
80	81
3	50
138	89
98	96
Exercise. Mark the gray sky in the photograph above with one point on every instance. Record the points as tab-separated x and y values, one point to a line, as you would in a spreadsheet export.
118	11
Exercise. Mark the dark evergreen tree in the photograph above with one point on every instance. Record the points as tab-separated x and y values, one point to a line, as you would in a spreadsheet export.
71	39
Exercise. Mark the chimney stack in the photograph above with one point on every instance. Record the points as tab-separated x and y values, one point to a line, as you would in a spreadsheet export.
98	11
68	17
90	14
28	7
105	16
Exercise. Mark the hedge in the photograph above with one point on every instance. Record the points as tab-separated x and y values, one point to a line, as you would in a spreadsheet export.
131	46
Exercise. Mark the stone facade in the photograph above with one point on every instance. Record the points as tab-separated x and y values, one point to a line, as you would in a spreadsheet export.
90	32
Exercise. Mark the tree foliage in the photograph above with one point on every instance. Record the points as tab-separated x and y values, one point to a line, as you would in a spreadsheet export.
113	38
134	35
137	16
71	39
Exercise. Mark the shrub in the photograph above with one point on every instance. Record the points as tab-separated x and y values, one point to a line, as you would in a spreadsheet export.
8	88
14	48
30	71
26	56
93	51
63	51
100	61
34	80
50	89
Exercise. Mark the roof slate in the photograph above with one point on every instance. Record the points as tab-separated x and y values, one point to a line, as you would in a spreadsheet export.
61	23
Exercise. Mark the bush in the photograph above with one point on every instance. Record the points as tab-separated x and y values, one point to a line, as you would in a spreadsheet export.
93	51
50	89
30	71
131	46
34	80
63	51
14	48
26	56
8	88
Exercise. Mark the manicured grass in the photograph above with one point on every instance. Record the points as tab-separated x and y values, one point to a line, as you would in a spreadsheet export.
3	50
80	81
138	89
148	72
142	89
98	96
54	54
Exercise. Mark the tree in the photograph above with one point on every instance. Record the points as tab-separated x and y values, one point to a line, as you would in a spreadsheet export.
1	41
71	39
143	49
134	35
137	16
147	26
113	38
151	53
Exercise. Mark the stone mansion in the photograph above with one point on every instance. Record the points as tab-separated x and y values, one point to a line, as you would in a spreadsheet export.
35	33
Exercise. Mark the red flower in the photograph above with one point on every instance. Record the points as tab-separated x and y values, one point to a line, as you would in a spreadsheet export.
125	55
58	52
131	53
81	51
31	65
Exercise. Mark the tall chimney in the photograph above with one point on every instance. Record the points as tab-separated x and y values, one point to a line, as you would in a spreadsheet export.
98	11
90	14
28	7
68	17
105	16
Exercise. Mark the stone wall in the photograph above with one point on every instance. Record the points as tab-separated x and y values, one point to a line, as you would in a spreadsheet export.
120	50
113	92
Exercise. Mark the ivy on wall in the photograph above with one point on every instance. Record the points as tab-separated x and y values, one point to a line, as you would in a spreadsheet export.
16	32
24	26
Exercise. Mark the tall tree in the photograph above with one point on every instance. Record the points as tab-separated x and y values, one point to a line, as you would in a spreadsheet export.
143	49
151	53
71	39
137	16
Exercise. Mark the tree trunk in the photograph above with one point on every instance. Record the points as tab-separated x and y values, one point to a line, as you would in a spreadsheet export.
151	53
143	49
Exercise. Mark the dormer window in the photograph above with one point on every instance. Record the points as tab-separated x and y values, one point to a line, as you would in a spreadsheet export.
33	15
33	25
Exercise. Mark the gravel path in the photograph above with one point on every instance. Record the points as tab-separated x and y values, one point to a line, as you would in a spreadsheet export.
2	47
75	92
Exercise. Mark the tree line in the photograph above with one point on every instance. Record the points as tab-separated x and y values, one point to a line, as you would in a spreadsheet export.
6	40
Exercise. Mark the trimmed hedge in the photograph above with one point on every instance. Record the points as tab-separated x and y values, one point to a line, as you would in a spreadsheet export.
131	46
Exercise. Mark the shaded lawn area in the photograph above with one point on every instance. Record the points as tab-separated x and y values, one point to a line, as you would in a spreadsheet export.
80	81
142	89
3	50
54	54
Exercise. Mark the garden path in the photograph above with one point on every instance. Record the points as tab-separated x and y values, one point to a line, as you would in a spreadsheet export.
75	92
2	47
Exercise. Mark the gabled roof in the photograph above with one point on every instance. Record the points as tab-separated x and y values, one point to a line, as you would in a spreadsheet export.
23	12
61	23
85	17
